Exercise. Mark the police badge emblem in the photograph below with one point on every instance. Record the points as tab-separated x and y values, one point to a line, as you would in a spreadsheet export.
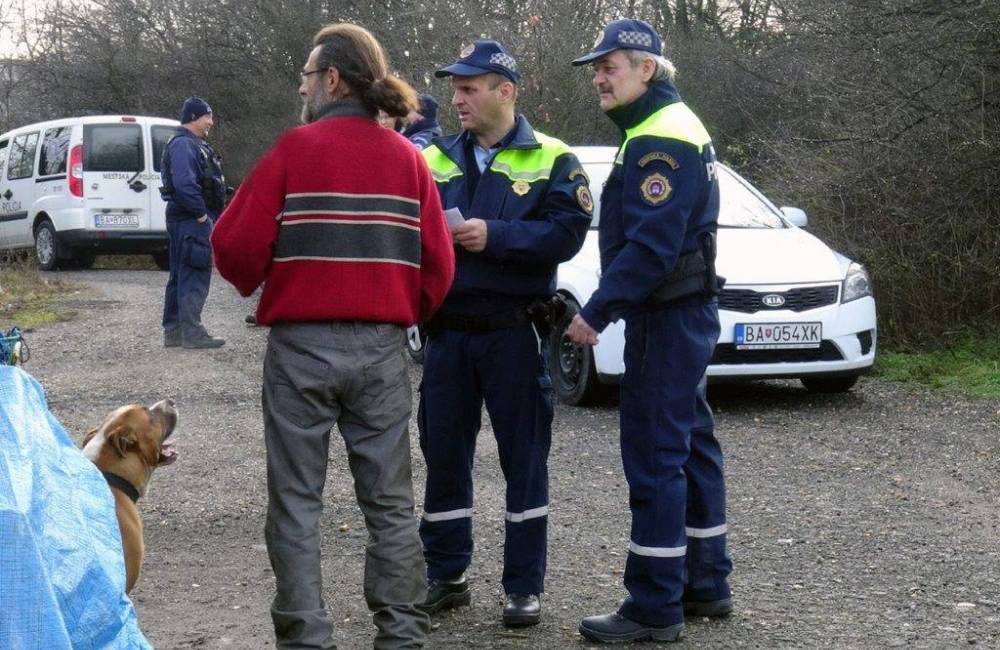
467	51
521	187
584	198
655	189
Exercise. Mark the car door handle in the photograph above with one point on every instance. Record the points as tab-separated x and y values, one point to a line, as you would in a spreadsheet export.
138	186
8	194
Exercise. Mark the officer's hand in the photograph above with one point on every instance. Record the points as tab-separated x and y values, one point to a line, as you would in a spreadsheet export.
580	332
203	218
471	235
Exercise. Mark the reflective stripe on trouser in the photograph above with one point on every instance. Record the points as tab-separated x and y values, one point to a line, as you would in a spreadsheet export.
352	375
461	371
672	462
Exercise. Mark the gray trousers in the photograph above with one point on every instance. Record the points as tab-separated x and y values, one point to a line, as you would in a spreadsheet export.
351	374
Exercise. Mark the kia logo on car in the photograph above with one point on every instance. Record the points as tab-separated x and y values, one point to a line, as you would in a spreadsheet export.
773	300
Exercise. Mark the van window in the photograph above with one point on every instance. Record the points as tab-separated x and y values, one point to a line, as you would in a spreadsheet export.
161	136
55	146
112	148
22	156
3	156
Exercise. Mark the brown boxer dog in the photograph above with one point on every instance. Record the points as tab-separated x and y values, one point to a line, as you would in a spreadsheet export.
127	447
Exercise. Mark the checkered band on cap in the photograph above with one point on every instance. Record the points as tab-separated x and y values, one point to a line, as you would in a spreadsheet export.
635	38
505	60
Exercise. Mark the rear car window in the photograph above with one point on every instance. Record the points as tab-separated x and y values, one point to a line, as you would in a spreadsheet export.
161	136
112	148
55	147
22	156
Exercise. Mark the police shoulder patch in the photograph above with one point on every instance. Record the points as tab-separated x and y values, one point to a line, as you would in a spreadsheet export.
655	189
521	187
579	171
584	198
659	155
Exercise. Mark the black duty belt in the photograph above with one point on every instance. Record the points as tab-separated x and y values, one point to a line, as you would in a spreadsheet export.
479	323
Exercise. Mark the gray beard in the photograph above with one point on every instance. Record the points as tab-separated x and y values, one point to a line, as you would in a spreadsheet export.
312	105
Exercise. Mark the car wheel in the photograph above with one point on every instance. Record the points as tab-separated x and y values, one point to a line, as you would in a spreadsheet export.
162	259
574	375
829	384
46	246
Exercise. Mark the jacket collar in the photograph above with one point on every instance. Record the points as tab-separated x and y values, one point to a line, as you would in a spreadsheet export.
660	93
425	124
344	107
522	136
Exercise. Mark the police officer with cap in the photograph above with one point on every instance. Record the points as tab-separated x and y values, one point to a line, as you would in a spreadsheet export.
659	213
195	191
527	207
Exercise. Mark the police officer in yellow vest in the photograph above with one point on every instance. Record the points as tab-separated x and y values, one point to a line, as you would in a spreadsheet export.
527	207
659	213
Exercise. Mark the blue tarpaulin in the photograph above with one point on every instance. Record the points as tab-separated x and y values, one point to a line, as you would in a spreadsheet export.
62	574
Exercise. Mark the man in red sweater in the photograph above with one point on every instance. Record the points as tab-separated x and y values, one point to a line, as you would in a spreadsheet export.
343	220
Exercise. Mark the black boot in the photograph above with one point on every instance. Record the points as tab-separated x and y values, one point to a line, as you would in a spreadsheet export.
203	342
446	595
522	610
709	608
615	628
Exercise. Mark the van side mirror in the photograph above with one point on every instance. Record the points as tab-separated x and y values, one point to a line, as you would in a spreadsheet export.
795	216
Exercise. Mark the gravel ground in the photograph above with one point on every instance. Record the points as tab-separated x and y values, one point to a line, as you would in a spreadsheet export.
860	520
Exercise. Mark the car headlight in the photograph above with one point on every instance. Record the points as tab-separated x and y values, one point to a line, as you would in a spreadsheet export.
857	284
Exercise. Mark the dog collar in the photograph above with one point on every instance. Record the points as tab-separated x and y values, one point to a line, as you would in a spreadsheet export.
116	481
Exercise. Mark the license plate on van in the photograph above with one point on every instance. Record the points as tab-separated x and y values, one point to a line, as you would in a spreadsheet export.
116	221
777	336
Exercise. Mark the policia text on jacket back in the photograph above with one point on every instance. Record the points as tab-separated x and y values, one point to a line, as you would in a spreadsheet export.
528	208
659	212
195	191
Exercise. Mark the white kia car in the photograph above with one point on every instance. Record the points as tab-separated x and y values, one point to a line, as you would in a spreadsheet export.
791	306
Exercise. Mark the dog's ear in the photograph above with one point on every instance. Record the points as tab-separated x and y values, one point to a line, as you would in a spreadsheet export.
86	438
121	438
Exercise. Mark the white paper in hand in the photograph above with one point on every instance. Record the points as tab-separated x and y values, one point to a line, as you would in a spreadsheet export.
454	217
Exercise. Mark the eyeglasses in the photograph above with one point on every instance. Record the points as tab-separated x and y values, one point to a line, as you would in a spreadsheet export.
305	73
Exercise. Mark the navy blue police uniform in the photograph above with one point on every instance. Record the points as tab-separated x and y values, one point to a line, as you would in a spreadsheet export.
193	186
659	211
484	346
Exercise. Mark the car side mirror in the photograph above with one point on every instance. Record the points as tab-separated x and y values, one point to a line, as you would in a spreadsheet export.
796	216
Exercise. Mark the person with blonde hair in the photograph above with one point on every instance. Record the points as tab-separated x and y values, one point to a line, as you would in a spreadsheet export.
342	222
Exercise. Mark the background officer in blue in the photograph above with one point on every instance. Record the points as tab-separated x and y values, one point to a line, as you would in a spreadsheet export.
527	208
195	191
657	232
422	124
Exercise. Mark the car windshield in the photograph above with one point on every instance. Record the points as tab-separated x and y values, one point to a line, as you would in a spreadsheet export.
741	206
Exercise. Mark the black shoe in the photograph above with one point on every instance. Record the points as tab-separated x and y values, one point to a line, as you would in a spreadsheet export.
446	595
522	610
710	608
615	628
204	342
171	339
250	320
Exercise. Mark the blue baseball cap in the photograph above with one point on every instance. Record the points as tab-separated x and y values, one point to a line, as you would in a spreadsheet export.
193	108
624	35
482	57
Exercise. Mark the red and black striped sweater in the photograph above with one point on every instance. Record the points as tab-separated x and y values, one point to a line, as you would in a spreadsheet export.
341	220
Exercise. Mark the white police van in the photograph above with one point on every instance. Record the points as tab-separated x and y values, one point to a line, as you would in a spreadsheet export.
76	187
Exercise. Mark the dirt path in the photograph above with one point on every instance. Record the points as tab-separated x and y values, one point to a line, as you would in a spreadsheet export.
863	520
